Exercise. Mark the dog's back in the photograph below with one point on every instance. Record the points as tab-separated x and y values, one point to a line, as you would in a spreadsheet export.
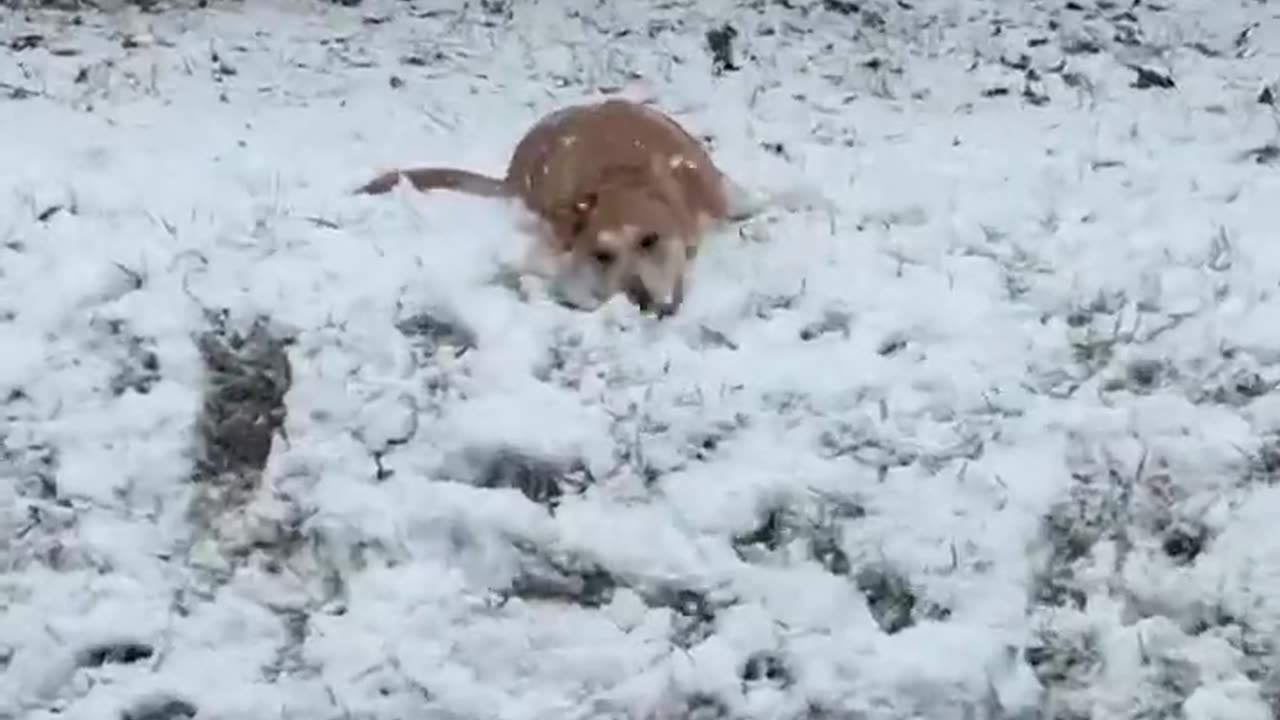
570	151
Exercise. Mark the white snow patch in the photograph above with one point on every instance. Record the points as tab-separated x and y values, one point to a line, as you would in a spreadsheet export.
996	433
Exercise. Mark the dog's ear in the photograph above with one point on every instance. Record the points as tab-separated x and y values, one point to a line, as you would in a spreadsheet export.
665	181
673	192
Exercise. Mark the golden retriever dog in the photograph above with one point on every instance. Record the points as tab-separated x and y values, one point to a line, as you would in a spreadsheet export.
621	194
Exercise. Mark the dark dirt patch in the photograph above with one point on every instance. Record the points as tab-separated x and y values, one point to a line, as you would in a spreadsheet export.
695	611
32	466
841	7
892	601
720	43
1263	154
160	708
703	706
889	598
120	653
780	526
1063	661
137	365
247	376
1242	388
289	660
432	331
1264	461
1148	78
774	528
1071	529
825	548
832	321
543	480
1184	542
150	6
547	577
767	667
1115	512
26	41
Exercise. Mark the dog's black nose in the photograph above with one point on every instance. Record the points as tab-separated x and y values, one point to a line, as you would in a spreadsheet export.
639	295
647	304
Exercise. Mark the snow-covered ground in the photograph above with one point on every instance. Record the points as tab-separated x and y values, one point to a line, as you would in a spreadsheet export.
998	437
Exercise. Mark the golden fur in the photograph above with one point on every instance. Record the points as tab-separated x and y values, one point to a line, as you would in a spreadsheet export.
622	193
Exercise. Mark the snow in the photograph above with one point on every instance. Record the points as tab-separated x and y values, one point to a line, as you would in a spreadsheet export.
996	436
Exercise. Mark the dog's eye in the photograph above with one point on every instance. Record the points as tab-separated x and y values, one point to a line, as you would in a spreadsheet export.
648	241
604	257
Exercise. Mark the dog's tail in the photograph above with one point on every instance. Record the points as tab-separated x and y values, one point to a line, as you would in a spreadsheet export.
438	178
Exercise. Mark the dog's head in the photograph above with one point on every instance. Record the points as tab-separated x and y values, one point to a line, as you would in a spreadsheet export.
631	235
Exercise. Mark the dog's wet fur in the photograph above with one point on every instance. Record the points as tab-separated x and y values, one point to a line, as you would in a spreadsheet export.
622	196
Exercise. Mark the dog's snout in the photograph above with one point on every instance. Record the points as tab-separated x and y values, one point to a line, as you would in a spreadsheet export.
645	301
666	310
641	296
